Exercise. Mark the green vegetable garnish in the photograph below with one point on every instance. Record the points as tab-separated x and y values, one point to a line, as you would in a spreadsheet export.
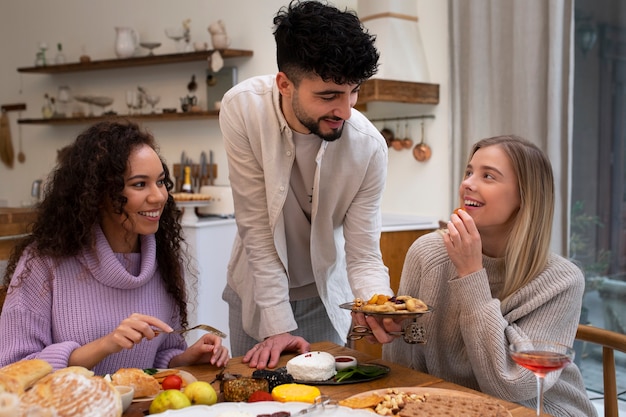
151	371
359	371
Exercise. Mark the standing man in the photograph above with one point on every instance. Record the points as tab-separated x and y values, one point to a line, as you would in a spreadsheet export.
307	173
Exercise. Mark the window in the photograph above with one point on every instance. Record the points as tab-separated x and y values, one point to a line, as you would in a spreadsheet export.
598	212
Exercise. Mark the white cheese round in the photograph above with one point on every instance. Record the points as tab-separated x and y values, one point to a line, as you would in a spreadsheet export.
312	366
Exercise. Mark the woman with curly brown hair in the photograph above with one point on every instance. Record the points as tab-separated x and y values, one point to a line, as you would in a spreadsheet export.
99	283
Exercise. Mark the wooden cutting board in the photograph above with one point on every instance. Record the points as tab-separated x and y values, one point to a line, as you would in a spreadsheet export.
7	154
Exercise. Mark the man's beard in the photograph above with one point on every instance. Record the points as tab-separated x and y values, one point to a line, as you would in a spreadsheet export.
314	126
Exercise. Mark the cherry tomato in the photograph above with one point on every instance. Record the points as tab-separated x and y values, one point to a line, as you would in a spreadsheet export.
172	382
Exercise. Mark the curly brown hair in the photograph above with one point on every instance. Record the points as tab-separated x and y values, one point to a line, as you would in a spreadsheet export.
89	172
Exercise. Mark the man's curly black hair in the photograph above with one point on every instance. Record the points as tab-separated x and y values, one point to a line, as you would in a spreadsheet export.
313	37
89	172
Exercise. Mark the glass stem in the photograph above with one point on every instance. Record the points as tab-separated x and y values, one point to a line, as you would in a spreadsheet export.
539	395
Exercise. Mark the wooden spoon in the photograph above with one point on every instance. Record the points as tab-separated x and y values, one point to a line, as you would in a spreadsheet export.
20	155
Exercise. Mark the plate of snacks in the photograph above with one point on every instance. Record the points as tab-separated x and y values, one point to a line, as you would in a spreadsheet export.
269	408
149	382
418	401
401	306
320	368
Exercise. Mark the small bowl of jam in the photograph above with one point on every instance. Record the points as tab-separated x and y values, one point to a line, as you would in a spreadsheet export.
343	362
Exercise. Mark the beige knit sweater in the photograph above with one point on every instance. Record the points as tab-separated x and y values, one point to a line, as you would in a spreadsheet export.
470	329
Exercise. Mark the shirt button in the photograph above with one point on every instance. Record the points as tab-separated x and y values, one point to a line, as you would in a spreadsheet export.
282	188
288	153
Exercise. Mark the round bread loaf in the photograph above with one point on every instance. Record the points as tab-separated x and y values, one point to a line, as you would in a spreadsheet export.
70	394
312	366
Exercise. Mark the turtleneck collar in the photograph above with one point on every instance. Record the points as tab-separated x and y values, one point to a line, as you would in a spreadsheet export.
121	270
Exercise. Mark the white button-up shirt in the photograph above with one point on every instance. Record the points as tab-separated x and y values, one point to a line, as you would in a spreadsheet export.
346	215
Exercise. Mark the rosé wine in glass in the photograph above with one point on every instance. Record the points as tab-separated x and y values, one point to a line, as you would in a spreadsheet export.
541	357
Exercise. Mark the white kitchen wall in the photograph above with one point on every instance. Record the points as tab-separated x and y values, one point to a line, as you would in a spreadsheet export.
89	26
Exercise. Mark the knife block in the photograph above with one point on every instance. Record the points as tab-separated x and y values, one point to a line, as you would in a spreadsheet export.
197	180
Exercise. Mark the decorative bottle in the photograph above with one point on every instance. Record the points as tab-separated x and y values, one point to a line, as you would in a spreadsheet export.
187	188
60	56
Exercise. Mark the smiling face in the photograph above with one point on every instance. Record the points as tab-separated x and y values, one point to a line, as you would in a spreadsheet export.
490	191
146	195
316	106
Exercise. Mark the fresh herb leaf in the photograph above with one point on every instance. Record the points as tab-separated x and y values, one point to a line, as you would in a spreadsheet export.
151	371
359	371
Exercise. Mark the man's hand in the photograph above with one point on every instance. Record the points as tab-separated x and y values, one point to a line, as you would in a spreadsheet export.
267	353
379	326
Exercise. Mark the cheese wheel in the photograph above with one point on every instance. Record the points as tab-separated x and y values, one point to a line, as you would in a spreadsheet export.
295	392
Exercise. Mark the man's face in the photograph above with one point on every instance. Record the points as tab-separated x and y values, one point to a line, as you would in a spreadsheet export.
316	106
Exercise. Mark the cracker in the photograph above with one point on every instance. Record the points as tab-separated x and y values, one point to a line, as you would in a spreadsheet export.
444	406
366	401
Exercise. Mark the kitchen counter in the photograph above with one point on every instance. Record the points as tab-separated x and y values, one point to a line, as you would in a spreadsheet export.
14	223
400	222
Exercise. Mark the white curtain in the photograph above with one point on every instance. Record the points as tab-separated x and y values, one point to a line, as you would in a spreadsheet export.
512	73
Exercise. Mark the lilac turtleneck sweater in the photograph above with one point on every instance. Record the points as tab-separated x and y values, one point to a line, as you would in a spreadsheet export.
65	303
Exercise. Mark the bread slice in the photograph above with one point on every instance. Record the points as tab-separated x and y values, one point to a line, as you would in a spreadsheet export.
145	385
21	375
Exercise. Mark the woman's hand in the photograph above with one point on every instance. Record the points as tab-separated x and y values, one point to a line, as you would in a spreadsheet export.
131	331
207	349
463	243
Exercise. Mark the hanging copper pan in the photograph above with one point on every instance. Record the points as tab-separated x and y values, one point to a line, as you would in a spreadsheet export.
422	151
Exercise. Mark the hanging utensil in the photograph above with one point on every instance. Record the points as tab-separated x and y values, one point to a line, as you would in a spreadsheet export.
407	142
397	142
211	168
422	151
203	169
388	135
6	146
20	154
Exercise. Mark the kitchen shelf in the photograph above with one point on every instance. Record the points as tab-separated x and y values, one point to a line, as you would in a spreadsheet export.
377	89
139	61
203	115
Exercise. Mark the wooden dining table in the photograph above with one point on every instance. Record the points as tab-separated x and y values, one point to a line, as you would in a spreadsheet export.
399	376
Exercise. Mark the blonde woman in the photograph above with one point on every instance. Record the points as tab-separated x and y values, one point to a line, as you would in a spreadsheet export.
492	280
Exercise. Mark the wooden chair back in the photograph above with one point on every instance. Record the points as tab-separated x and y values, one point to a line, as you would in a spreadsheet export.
610	342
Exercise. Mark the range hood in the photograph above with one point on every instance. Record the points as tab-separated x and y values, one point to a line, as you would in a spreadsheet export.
395	24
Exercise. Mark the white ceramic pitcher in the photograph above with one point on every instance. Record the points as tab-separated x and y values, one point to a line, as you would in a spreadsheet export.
126	42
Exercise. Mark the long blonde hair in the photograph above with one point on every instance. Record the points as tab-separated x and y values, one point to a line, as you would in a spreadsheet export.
528	244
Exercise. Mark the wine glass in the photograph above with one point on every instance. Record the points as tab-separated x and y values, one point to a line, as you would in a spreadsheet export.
131	100
541	357
176	34
152	100
150	46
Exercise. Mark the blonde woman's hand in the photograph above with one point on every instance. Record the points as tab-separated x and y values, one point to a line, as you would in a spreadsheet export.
463	243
